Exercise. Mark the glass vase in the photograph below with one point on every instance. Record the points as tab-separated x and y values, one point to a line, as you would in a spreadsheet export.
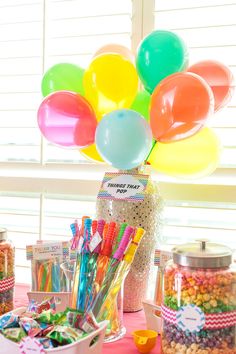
145	214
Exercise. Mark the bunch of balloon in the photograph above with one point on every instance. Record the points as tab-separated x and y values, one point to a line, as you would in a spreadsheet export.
100	111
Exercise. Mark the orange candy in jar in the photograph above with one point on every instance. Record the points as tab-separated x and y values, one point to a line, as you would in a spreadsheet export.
7	273
199	302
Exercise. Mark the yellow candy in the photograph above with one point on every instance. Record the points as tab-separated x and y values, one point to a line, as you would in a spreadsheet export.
206	297
191	291
213	303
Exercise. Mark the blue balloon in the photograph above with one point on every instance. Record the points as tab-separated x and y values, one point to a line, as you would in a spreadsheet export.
123	138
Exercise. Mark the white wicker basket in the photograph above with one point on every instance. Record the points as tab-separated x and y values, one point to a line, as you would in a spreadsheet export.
84	346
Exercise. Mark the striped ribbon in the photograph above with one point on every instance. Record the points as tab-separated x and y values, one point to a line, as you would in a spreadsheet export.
7	284
212	320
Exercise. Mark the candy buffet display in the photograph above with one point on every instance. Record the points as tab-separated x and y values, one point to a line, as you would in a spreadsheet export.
50	329
7	272
103	112
199	304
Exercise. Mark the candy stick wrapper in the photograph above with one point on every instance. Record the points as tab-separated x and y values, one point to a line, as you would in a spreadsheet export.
104	257
114	264
97	228
84	266
120	275
80	242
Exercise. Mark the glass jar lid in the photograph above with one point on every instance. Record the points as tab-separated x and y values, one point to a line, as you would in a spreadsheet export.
3	234
202	254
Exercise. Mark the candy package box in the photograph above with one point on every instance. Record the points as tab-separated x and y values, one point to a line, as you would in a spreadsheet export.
47	331
46	260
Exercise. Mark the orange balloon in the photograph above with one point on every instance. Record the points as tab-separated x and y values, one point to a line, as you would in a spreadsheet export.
180	105
115	49
219	78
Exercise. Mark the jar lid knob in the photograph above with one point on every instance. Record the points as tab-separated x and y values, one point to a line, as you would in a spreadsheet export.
3	234
203	242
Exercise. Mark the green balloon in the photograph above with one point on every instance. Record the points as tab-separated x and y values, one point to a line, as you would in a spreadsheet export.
63	76
141	104
160	54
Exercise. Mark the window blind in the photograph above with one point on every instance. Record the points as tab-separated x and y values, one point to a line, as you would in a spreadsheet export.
42	187
29	218
34	35
208	28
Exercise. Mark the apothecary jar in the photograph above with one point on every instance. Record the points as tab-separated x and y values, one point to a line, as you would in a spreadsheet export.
199	300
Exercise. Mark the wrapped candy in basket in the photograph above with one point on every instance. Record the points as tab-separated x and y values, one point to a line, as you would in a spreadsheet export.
40	329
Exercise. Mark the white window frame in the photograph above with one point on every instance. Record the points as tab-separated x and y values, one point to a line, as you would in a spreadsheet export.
83	180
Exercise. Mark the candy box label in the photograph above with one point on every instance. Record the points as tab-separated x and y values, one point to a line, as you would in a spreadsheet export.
190	318
47	251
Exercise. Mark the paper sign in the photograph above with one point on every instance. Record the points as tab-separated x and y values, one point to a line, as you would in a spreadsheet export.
80	244
47	251
95	241
190	318
162	257
130	187
30	345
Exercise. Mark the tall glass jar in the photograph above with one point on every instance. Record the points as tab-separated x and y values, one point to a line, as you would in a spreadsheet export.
199	305
7	273
145	214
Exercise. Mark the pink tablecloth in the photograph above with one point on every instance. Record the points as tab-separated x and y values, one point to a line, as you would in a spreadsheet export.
132	321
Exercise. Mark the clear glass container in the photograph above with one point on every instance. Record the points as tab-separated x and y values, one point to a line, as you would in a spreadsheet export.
199	301
7	272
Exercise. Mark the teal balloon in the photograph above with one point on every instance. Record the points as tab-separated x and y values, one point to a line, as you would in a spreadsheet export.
123	138
141	104
160	54
63	76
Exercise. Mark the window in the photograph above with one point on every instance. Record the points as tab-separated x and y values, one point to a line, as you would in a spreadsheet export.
43	188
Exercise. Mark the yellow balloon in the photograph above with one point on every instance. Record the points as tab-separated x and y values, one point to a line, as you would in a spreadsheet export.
91	153
110	82
194	157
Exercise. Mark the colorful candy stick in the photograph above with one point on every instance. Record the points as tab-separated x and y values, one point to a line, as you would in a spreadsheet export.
104	257
119	237
90	269
77	269
56	278
42	276
90	293
76	234
114	264
84	266
122	270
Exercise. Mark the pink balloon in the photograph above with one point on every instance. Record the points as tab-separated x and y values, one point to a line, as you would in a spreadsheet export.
117	49
67	119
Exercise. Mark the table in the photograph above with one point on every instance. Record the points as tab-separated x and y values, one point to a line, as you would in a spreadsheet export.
132	321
